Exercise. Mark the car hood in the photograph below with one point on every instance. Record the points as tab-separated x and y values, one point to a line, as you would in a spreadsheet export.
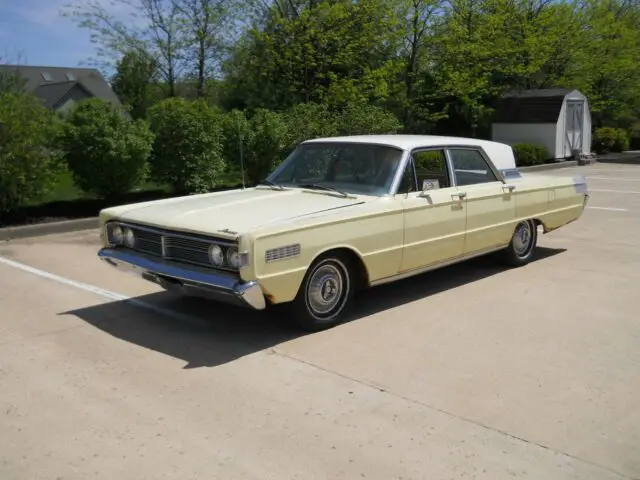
232	212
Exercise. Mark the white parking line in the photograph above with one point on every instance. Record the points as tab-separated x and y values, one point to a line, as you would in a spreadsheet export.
610	209
614	178
614	191
100	291
607	170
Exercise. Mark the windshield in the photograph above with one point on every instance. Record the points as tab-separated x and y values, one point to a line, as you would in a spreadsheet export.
357	168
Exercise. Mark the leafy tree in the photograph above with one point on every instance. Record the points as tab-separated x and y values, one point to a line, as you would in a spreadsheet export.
309	120
365	119
154	30
133	82
209	29
106	153
331	51
29	159
183	37
471	50
420	21
188	147
607	68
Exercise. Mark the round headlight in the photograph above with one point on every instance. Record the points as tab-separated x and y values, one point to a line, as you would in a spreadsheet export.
117	236
129	238
233	258
215	255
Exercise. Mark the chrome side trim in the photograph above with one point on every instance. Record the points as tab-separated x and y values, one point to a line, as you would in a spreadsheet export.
450	170
435	266
282	253
223	287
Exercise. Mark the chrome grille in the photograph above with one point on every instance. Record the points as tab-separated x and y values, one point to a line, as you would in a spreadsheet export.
187	250
176	246
148	242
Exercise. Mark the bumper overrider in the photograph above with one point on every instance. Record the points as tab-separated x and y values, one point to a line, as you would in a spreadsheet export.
189	279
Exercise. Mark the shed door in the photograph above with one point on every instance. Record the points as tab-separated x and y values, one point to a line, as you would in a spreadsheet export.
574	125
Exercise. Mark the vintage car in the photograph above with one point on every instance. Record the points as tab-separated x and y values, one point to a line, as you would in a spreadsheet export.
341	214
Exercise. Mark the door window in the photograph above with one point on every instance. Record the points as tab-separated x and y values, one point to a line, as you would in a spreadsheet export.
470	167
431	169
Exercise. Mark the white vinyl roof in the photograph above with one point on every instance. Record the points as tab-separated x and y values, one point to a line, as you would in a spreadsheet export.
405	142
500	153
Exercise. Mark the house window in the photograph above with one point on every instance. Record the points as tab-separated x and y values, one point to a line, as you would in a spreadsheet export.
70	76
47	76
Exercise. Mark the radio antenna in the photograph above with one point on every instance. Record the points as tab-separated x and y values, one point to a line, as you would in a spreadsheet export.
240	141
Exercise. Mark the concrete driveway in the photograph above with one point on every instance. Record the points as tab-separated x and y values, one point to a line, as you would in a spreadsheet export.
471	372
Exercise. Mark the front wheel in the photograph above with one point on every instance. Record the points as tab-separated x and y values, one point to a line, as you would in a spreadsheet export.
325	294
523	244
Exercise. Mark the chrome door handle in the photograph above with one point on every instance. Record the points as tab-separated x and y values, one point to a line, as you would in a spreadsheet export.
511	188
461	195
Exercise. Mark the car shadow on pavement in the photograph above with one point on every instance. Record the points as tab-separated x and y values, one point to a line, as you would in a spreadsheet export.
207	334
385	297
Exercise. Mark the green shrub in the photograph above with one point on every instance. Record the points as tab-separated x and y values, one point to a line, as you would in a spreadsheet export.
610	140
530	154
187	151
264	138
236	131
309	120
622	141
106	152
266	144
366	119
29	161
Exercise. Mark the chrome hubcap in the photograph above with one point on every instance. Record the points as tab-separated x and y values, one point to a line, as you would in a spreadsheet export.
325	289
522	238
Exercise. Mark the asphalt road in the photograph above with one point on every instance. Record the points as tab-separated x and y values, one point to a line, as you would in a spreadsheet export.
471	372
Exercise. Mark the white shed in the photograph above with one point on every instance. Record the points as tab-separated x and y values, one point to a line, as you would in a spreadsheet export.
557	118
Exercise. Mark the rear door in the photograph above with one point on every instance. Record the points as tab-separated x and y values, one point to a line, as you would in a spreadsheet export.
434	214
490	204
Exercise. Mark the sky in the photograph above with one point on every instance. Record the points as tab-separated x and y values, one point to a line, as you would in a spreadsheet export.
35	32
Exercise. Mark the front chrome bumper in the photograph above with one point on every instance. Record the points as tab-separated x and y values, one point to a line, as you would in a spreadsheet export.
192	279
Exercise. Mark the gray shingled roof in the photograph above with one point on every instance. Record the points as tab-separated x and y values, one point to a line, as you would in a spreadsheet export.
531	106
55	79
51	93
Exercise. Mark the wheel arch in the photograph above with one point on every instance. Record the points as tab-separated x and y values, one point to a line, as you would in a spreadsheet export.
360	274
539	223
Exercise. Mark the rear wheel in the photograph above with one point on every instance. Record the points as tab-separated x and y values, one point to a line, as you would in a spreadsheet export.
523	243
325	294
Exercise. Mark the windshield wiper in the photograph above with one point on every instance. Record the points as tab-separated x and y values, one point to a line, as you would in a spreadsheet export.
271	184
317	186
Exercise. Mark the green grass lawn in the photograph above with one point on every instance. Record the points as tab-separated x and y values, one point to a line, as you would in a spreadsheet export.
66	200
65	190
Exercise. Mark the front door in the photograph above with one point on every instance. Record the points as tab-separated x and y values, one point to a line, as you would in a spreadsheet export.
573	127
434	213
490	204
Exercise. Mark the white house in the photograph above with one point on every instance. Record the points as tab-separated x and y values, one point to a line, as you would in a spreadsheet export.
557	118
